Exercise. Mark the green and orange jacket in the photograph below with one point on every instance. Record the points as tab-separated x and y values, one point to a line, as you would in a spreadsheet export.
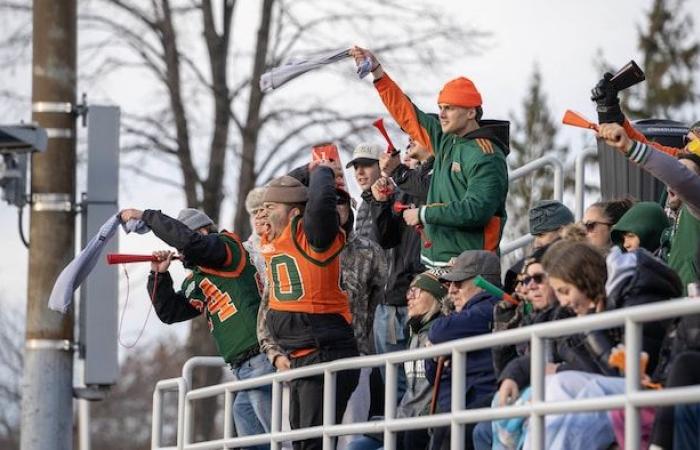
466	201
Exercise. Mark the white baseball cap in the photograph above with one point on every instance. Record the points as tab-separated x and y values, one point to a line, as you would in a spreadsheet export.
365	153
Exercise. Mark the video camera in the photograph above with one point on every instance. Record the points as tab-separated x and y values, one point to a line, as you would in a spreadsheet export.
629	75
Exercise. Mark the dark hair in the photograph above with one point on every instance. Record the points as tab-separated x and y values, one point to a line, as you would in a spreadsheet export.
580	264
479	113
614	209
692	157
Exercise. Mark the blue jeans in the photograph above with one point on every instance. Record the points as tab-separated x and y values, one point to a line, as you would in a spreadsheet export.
687	427
581	431
365	443
390	336
483	436
252	408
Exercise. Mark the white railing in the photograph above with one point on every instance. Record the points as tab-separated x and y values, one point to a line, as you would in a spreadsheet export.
580	184
631	400
525	170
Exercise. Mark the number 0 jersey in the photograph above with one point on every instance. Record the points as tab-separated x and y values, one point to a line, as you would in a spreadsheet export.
301	278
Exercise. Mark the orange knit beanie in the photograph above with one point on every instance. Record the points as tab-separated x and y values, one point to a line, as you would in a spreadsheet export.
460	92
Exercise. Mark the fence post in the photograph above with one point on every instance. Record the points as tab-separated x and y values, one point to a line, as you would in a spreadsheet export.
537	361
580	182
228	414
328	406
633	339
459	368
390	401
276	414
156	421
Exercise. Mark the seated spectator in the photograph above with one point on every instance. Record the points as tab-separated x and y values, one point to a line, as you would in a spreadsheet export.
472	317
424	304
576	272
641	226
599	219
547	219
537	305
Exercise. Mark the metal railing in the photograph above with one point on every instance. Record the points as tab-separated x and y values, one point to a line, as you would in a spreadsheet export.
631	400
525	170
580	184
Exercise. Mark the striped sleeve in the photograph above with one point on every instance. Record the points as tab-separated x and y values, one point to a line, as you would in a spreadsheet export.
636	135
639	152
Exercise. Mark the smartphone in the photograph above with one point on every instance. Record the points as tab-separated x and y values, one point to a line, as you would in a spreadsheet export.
327	151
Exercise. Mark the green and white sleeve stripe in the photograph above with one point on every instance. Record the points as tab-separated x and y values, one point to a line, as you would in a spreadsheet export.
639	152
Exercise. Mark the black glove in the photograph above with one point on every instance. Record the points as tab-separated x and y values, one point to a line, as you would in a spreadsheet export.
604	94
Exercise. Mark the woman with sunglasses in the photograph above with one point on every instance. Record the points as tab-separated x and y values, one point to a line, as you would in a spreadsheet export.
599	219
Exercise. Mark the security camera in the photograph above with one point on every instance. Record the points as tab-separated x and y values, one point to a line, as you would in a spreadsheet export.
23	138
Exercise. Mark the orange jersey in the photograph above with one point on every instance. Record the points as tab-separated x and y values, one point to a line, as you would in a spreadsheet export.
302	279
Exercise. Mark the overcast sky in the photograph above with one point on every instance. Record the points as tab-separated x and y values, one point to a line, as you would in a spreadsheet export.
562	37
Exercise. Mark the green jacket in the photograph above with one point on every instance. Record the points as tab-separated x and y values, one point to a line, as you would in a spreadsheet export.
466	200
645	219
684	247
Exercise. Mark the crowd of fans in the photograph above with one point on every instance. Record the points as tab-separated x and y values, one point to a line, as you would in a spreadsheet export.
321	279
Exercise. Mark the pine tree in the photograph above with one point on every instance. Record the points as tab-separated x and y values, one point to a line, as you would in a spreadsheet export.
533	136
670	60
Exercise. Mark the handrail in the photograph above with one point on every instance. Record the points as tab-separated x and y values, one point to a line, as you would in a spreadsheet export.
522	171
631	318
580	184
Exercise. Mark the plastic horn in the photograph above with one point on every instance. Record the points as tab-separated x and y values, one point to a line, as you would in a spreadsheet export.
124	258
379	124
398	208
493	290
577	120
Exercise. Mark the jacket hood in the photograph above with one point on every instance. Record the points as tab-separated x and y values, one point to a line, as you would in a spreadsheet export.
497	131
645	279
645	219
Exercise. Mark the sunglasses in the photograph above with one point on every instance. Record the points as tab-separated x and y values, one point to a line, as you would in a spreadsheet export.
538	278
590	226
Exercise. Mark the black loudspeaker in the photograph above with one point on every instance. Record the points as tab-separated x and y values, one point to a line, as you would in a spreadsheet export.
619	177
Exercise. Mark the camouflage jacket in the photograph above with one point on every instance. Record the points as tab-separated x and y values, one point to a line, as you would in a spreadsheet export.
363	275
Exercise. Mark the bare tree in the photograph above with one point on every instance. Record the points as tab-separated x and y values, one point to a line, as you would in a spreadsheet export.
205	115
11	361
123	419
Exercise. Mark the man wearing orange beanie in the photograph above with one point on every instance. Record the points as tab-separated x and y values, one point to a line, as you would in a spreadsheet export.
466	199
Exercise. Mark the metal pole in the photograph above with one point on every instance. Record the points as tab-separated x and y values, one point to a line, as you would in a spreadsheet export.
459	383
580	183
276	415
390	401
84	424
329	379
537	432
47	386
633	338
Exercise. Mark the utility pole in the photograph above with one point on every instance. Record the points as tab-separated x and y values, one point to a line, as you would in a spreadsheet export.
47	387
